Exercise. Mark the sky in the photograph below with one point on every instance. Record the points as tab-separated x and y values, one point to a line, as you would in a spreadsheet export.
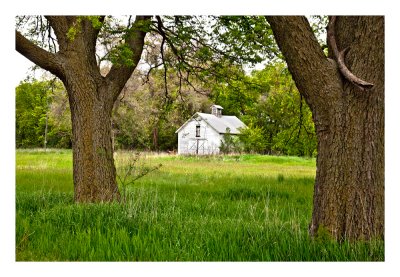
14	68
21	68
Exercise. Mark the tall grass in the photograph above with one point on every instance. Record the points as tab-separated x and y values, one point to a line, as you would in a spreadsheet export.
245	208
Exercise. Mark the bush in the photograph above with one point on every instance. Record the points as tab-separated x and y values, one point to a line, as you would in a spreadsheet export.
253	140
229	143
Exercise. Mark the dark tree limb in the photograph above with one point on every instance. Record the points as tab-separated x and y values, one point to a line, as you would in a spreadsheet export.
46	60
60	27
50	39
306	61
340	58
119	74
160	29
163	59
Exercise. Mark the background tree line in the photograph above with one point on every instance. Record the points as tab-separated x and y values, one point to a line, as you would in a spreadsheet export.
43	116
145	117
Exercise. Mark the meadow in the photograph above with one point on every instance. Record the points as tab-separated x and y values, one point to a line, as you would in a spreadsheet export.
220	208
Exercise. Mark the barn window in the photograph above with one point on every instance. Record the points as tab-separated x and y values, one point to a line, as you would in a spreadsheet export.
197	131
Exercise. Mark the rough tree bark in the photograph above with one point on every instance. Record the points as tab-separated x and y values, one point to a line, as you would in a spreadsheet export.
349	121
91	97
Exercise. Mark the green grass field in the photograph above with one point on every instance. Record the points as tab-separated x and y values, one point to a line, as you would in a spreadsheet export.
223	208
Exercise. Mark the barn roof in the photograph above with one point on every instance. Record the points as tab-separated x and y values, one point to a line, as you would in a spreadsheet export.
219	124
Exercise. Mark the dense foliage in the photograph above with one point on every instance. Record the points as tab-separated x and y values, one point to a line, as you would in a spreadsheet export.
145	118
278	119
42	115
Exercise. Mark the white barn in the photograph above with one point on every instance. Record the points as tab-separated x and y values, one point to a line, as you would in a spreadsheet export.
202	133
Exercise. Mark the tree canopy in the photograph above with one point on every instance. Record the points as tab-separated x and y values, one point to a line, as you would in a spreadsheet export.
188	63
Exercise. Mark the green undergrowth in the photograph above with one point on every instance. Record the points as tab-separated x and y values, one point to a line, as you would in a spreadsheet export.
191	209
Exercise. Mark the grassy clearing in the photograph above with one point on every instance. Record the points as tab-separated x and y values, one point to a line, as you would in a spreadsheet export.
231	208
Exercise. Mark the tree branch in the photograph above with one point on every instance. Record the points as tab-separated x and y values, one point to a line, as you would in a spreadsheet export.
60	27
165	68
119	74
315	76
44	59
340	56
160	29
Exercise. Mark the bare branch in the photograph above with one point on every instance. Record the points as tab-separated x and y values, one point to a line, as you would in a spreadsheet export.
21	20
165	65
340	58
50	38
161	28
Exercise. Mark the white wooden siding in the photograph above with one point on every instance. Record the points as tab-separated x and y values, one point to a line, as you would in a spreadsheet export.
207	144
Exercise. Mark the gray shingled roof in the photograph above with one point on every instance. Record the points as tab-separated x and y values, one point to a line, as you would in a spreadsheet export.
220	123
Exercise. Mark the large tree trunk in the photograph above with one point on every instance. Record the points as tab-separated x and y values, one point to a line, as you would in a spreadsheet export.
91	101
93	163
349	185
